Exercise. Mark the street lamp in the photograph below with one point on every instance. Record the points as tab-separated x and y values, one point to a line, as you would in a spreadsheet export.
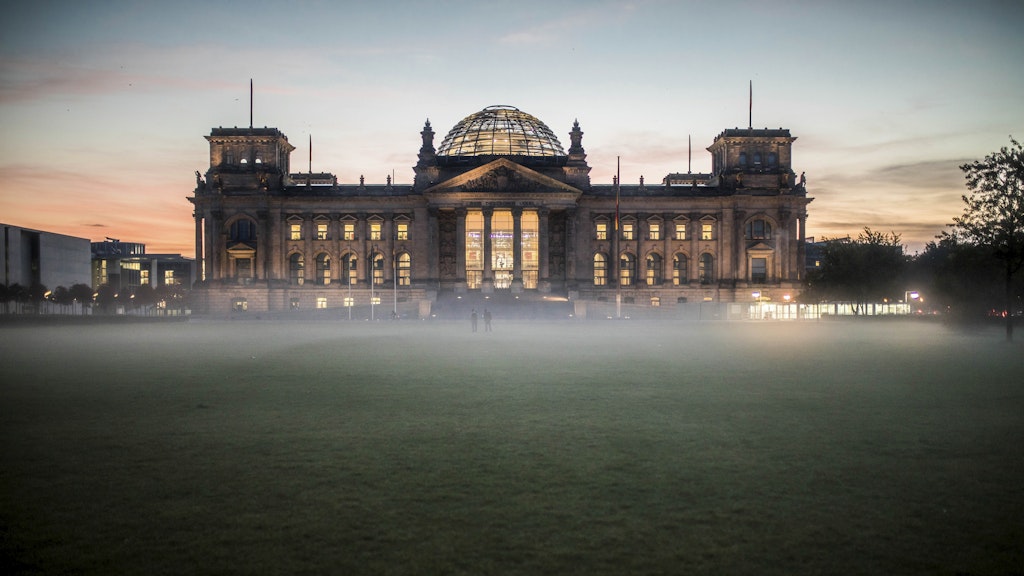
373	279
911	295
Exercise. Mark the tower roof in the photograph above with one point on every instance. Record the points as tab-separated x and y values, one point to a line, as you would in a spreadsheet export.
501	131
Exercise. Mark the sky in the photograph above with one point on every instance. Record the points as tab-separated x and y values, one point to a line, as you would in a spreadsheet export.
104	106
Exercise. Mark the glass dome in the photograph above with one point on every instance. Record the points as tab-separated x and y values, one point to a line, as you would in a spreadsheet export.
500	131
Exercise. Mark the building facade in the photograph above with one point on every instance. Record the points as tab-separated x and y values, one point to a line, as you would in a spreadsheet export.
501	209
126	266
29	257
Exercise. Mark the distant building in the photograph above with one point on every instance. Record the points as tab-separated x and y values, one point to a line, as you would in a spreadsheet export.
126	266
499	210
30	257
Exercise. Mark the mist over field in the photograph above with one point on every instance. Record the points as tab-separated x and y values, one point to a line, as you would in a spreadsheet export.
602	447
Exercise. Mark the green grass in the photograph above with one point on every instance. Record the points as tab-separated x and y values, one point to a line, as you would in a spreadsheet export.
548	448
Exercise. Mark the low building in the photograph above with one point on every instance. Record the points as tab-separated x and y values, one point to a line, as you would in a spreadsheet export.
126	266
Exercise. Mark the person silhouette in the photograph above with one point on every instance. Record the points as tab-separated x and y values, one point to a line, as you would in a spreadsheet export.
472	319
487	320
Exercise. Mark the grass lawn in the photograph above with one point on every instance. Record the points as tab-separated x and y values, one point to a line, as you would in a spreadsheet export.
218	447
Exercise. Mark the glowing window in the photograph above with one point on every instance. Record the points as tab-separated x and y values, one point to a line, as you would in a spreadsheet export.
627	264
296	265
349	231
600	270
321	303
295	231
375	228
402	231
707	231
706	269
404	269
680	231
378	269
601	231
653	269
679	269
654	231
323	269
627	230
321	231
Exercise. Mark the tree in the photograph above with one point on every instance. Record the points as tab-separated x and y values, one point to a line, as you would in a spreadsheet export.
106	297
62	296
82	293
868	269
37	294
994	214
961	277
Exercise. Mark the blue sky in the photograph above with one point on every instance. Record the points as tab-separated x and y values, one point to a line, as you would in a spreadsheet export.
104	107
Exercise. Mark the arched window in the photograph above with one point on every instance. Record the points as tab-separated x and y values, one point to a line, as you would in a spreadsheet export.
627	267
743	158
706	268
349	269
772	159
242	230
404	269
378	269
600	270
679	275
759	229
296	266
323	269
653	269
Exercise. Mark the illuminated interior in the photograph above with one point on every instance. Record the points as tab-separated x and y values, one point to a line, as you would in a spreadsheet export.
500	131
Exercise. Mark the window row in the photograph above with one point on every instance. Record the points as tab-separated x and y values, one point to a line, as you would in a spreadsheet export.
375	231
758	229
653	270
349	269
244	230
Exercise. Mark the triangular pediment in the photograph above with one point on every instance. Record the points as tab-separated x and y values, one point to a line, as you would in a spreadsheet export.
760	247
503	176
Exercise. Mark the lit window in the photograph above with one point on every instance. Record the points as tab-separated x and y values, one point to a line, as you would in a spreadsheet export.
349	302
679	269
378	269
169	279
350	273
707	231
143	277
654	231
627	230
323	269
680	231
295	231
601	231
350	231
600	270
375	230
321	231
239	304
653	269
626	265
706	269
321	302
655	301
402	232
404	269
295	269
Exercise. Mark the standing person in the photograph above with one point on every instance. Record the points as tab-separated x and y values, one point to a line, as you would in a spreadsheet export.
472	319
487	320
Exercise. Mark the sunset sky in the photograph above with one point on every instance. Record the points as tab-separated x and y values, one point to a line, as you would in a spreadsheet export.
103	106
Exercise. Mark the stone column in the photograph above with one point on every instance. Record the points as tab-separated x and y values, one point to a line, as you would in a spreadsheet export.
543	214
517	248
263	241
571	238
488	271
199	256
460	246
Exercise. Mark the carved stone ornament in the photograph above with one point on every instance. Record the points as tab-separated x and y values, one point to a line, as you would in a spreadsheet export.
501	179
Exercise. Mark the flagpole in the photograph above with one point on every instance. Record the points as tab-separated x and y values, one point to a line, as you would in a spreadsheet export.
615	255
250	103
750	112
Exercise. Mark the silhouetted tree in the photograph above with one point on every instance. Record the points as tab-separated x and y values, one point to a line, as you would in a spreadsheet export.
961	277
994	214
62	296
144	297
82	293
37	295
18	294
868	269
106	297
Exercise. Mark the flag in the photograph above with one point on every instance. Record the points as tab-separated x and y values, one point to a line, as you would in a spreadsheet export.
618	184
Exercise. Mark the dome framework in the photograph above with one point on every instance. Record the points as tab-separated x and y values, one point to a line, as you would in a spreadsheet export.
500	131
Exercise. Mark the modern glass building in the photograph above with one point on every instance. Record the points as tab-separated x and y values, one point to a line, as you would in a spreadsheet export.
500	209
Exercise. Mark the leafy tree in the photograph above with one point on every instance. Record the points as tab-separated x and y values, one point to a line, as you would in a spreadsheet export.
62	296
82	293
868	269
37	294
18	294
959	276
993	214
106	296
144	297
